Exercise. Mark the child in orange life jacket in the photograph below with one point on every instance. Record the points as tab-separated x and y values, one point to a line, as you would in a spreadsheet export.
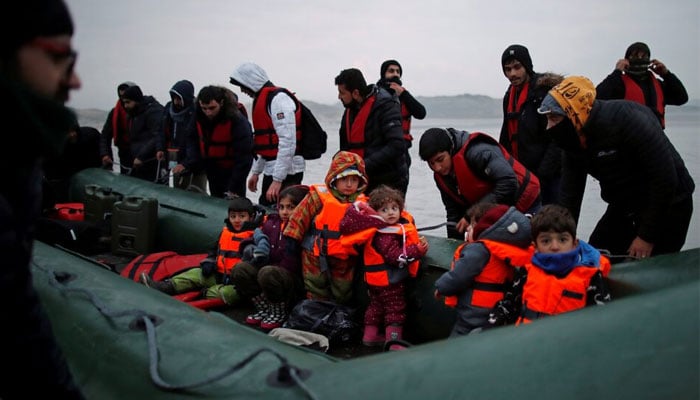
482	269
267	276
391	253
566	273
313	229
213	275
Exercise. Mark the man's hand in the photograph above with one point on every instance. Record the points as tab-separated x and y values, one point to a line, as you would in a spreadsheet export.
178	169
659	67
253	183
396	88
273	191
107	162
622	64
640	248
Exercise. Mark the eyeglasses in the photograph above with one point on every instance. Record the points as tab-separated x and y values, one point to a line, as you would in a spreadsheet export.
58	52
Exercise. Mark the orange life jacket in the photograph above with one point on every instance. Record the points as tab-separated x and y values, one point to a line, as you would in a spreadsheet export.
513	115
473	188
325	228
380	273
377	271
218	146
491	284
228	252
356	131
546	294
265	139
634	92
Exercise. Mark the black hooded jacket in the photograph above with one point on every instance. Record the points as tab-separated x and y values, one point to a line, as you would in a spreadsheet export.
178	128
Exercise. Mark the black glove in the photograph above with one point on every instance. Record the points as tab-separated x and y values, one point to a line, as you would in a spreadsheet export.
208	267
597	292
503	313
259	259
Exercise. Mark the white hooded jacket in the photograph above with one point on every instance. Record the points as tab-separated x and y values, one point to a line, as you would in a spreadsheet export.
281	111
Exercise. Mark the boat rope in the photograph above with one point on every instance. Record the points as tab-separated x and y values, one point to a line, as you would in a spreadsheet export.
609	254
163	175
440	225
286	371
160	177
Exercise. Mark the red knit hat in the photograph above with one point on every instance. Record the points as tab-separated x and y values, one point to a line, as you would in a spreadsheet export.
488	219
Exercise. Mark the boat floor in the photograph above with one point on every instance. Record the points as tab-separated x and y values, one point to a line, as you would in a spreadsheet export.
240	311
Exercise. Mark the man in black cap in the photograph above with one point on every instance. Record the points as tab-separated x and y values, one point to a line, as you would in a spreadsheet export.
116	130
390	75
36	76
138	154
523	129
636	78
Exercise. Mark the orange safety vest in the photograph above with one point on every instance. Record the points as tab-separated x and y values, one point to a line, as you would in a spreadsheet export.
228	251
546	294
491	284
513	115
355	132
380	273
634	92
473	188
265	139
217	146
325	227
377	272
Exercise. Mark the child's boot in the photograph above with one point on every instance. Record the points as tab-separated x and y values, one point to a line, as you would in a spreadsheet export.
165	286
276	315
371	336
395	332
261	309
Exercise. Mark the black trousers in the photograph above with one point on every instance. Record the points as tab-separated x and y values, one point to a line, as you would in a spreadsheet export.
618	227
290	180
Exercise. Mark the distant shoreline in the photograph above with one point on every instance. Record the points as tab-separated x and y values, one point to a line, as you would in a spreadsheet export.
460	106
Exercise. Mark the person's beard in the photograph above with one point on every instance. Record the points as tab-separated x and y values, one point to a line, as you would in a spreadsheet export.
353	104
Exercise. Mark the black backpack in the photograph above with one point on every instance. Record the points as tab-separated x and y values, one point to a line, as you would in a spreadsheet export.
313	138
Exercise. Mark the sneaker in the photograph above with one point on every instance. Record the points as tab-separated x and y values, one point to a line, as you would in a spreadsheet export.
146	280
165	286
256	318
277	314
261	309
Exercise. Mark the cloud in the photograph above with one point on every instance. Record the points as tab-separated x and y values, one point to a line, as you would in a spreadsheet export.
445	47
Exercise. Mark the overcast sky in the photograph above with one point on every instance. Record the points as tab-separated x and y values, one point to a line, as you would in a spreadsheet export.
445	47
